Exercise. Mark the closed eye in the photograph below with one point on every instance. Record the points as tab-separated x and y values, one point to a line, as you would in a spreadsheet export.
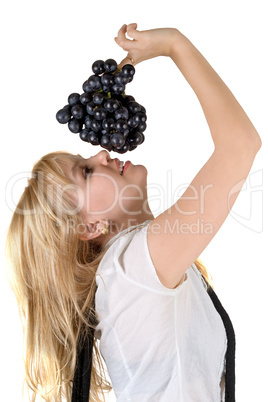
87	171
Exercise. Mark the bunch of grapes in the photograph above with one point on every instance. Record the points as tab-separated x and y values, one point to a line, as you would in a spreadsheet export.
103	114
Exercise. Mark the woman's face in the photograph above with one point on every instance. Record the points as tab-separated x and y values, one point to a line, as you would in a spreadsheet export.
102	193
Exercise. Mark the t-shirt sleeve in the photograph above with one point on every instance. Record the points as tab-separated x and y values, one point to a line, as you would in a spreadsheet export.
133	260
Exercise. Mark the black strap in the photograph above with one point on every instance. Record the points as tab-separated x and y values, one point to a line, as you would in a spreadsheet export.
230	352
81	382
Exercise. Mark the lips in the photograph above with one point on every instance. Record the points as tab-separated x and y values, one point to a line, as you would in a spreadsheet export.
125	166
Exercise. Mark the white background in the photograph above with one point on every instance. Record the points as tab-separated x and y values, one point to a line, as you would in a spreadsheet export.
47	51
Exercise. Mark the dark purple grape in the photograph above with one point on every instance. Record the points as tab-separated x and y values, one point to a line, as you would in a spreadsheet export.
90	108
67	107
93	138
121	125
77	111
106	89
75	125
110	65
132	147
118	89
120	79
107	80
128	70
84	135
100	113
85	98
94	82
86	87
139	117
143	138
134	107
123	149
117	140
105	141
132	123
95	125
98	67
141	126
87	121
63	115
143	110
73	99
121	113
98	98
108	124
111	105
135	138
130	79
128	99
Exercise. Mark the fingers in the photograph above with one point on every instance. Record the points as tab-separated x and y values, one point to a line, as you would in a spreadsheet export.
121	39
131	30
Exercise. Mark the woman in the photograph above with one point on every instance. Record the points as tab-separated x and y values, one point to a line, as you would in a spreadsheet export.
88	257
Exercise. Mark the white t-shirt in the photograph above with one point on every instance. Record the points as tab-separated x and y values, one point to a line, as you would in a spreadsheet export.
159	344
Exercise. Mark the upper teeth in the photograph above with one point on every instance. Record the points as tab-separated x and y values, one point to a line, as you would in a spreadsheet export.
121	167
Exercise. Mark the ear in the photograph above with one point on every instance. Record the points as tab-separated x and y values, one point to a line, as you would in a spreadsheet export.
91	230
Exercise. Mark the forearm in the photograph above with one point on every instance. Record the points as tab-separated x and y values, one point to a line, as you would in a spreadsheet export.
229	125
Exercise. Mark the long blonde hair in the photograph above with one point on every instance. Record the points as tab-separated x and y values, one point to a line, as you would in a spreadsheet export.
52	274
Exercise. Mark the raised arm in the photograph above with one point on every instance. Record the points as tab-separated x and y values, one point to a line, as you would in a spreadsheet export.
172	243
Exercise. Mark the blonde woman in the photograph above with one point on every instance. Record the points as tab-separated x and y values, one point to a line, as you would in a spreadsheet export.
89	261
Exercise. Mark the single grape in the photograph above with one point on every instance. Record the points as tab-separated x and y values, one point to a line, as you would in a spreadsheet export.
139	117
121	113
95	125
77	111
107	80
94	82
108	124
84	135
110	65
111	105
120	79
131	122
118	89
134	107
98	98
90	108
93	138
85	98
117	140
128	70
98	67
128	99
123	149
87	121
132	147
75	126
100	113
73	99
63	116
120	125
141	126
105	141
135	138
67	107
143	110
86	87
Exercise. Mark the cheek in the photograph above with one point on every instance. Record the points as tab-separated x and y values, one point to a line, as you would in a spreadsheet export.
103	195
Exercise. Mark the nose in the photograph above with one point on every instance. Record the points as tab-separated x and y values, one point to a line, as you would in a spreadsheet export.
103	157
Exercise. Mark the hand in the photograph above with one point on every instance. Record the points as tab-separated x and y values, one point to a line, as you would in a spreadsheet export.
145	44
